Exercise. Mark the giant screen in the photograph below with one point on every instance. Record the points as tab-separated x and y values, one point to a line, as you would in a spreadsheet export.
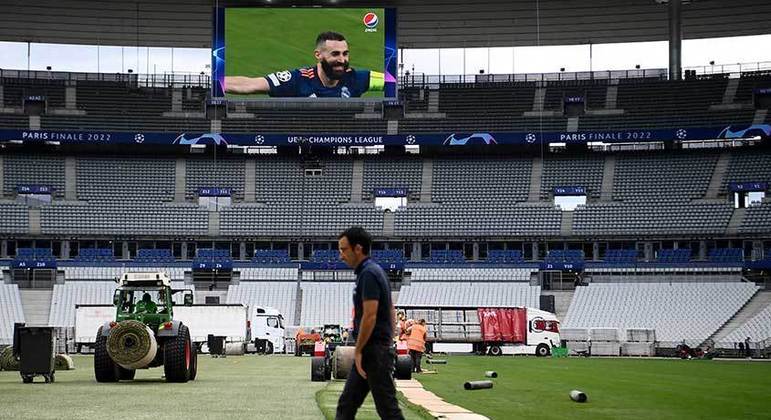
304	52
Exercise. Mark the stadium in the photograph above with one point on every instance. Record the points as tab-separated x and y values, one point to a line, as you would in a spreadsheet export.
612	222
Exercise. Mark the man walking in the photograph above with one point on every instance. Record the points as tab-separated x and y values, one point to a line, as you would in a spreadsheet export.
373	324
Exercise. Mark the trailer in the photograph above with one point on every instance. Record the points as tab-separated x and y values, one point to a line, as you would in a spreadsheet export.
230	321
493	331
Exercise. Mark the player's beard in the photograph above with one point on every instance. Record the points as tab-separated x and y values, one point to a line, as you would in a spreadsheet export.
331	72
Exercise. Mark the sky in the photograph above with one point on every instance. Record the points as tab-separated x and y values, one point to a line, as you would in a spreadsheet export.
729	52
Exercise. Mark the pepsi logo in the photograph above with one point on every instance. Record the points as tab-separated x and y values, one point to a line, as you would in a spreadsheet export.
370	20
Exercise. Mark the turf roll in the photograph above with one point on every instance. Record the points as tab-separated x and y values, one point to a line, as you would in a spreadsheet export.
471	385
7	361
63	362
436	361
578	396
132	345
235	348
342	360
491	374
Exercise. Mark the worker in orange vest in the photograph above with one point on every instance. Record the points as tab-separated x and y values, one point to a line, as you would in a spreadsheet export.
416	343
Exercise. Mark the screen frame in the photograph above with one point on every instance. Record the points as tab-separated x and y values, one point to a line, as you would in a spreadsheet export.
390	53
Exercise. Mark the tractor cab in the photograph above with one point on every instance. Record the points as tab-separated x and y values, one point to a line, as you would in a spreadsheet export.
147	298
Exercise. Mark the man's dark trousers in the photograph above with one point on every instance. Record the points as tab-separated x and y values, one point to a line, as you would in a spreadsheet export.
378	363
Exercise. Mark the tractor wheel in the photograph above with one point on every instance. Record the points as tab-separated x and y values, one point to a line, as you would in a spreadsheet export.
495	350
268	347
318	368
403	367
194	363
178	356
126	374
105	369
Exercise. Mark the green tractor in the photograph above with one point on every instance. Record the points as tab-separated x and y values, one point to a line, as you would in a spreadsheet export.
144	333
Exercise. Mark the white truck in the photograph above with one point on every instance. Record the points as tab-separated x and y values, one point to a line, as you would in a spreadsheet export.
494	331
268	330
230	321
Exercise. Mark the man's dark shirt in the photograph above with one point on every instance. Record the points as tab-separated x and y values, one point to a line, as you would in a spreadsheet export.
372	284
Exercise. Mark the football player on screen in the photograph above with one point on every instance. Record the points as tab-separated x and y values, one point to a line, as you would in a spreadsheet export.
331	77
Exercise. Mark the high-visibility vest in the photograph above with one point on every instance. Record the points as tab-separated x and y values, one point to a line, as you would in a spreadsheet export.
417	339
403	330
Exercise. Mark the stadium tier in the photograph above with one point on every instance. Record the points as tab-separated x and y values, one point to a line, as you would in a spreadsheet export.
668	194
609	104
679	312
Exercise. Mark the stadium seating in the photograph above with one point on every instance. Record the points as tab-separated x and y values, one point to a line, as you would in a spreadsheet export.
747	167
213	256
15	218
468	294
655	273
37	170
676	256
154	256
95	255
564	256
584	172
220	173
621	256
392	173
388	256
269	257
100	272
456	274
71	293
726	255
11	311
679	312
757	219
281	295
326	303
504	257
451	257
268	273
758	328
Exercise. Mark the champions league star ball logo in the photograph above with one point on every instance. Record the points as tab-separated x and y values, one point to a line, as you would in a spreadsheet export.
681	134
139	138
370	21
530	138
410	139
259	139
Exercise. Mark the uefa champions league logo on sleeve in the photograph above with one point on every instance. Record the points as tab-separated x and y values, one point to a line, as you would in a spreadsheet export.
139	138
681	134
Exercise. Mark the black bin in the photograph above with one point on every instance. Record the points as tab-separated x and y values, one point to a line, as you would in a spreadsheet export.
36	350
216	344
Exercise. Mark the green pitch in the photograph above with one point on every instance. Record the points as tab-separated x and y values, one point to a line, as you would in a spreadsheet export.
529	387
259	41
235	387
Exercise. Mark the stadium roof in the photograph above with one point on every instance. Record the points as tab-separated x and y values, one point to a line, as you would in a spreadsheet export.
422	24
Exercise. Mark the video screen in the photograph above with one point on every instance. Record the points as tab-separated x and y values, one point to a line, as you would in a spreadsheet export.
304	53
